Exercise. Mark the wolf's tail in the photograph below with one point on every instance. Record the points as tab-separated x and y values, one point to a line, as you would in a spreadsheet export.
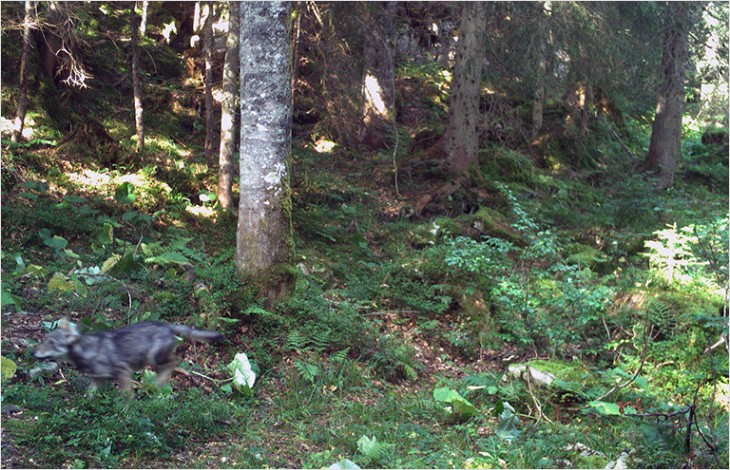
198	335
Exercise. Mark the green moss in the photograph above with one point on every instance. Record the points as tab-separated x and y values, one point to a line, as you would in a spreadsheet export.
494	223
584	255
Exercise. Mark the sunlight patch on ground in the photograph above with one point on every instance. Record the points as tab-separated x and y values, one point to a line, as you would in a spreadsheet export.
89	178
323	145
202	211
9	126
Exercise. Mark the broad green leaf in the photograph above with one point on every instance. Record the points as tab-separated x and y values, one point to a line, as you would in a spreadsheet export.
106	233
125	193
55	242
6	298
605	408
20	269
507	427
459	404
7	367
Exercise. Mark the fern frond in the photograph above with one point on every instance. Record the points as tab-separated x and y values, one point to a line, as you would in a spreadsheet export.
110	262
295	341
306	371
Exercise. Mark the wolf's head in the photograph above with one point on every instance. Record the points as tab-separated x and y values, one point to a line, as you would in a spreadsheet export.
58	342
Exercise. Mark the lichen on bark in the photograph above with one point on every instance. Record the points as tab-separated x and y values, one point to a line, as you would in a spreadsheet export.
264	218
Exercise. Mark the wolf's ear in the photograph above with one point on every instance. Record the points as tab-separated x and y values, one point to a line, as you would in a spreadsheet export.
65	324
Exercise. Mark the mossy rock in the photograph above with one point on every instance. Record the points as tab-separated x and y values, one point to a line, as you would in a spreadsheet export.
491	222
449	226
568	381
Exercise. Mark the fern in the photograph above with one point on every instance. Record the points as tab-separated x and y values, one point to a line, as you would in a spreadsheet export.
320	339
308	372
296	341
340	356
110	263
372	450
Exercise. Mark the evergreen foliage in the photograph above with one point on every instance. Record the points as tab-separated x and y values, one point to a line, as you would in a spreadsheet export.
555	312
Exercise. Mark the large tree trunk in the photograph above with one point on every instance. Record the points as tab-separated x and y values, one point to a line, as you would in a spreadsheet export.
264	237
665	148
208	79
23	82
461	139
544	36
137	83
378	83
228	110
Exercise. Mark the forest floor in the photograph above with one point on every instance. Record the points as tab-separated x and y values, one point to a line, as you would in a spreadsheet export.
390	311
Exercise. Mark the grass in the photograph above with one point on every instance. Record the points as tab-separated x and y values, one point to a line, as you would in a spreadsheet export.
387	312
387	307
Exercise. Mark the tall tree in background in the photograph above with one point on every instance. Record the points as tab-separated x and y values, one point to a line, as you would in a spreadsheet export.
23	82
665	148
264	234
461	139
143	21
378	82
228	110
544	36
210	114
137	82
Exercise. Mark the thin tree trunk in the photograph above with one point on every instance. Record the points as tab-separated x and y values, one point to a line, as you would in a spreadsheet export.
665	148
264	211
544	36
23	87
228	110
461	139
378	84
196	17
143	23
210	114
137	84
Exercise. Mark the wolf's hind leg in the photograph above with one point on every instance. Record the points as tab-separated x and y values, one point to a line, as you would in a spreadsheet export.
164	371
124	380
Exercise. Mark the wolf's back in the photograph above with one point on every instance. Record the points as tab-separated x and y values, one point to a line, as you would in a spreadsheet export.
198	335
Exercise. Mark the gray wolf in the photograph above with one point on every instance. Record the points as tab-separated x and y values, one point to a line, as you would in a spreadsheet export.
115	354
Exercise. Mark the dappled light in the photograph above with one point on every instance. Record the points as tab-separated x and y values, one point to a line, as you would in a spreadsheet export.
376	234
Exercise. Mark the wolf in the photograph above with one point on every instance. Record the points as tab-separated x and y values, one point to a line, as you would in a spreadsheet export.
115	354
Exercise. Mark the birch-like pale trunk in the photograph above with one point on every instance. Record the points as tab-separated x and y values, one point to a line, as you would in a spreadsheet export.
23	82
264	235
137	83
228	110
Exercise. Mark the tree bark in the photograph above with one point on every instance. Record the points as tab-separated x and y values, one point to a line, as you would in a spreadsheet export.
210	113
23	82
461	139
228	110
143	22
264	236
544	36
378	82
137	83
665	148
